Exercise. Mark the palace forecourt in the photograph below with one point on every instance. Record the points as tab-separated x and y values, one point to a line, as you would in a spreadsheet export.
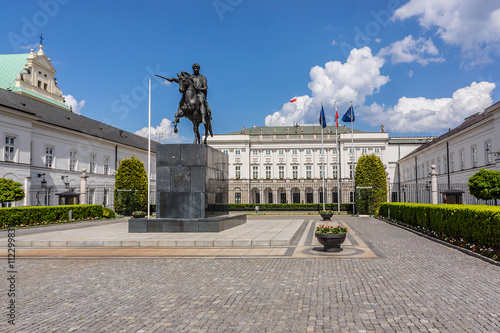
387	279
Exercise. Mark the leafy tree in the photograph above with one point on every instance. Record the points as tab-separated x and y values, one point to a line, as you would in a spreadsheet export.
10	190
485	185
371	172
132	177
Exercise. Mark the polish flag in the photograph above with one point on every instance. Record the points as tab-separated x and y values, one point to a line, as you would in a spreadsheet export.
293	100
336	116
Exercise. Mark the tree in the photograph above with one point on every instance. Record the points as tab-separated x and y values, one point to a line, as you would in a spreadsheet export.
485	185
371	172
131	186
10	190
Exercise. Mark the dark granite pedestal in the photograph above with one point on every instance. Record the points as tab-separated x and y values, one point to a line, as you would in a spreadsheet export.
192	191
211	224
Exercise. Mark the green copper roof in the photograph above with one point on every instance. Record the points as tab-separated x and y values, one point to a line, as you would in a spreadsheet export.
10	66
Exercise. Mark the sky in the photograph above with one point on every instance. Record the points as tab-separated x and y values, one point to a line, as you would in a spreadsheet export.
417	67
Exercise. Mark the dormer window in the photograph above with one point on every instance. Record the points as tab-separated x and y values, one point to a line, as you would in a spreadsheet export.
45	86
40	84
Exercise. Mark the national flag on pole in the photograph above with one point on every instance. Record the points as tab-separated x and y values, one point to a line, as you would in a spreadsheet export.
322	120
349	115
336	116
293	100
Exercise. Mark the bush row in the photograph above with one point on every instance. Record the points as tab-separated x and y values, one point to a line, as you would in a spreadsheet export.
289	207
477	224
23	215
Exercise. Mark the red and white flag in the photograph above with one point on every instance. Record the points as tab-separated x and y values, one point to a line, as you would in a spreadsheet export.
336	116
293	100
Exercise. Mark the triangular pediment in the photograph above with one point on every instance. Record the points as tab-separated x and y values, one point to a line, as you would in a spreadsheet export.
44	62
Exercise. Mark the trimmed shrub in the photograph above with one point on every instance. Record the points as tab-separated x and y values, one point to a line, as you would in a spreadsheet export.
476	224
108	213
26	215
370	171
10	190
131	187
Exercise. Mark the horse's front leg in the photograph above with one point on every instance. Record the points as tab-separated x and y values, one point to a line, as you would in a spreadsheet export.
178	115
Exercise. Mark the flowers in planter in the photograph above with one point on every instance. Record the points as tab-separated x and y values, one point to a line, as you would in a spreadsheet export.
138	212
330	230
326	211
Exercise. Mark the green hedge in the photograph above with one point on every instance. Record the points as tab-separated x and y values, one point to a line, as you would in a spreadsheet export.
17	215
477	224
289	207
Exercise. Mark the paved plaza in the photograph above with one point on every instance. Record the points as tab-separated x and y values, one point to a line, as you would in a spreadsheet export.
265	276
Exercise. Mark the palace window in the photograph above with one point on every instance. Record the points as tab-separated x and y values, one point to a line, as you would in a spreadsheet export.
10	148
237	152
321	171
106	165
308	172
334	151
377	150
268	172
268	152
237	172
462	159
488	152
255	172
294	151
255	152
92	166
295	172
308	151
49	156
281	170
281	152
72	160
474	156
334	174
452	162
237	197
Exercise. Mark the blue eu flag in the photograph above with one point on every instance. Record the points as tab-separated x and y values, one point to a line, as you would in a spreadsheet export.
322	120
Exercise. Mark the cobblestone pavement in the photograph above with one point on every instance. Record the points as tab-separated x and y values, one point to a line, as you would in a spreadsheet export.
415	285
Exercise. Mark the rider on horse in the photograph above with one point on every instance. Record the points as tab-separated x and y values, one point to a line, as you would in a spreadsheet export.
200	83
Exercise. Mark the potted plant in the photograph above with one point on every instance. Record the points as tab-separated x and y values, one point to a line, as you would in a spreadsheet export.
138	214
326	214
331	237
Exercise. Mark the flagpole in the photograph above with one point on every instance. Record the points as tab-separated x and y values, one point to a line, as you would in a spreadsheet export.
149	150
323	157
352	163
338	156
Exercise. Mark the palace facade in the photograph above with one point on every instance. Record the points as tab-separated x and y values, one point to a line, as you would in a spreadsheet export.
286	164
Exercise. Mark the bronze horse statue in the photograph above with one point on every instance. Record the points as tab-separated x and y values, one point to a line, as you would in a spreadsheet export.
189	107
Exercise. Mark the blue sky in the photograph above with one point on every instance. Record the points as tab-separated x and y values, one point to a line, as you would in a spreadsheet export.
418	67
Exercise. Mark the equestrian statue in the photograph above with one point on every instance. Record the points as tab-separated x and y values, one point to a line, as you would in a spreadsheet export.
193	104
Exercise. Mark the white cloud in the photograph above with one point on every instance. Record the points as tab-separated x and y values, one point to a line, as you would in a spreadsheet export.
76	106
410	73
410	50
472	25
354	80
163	133
431	115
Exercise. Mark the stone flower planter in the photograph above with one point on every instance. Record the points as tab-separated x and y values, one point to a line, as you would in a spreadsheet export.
138	216
326	216
331	242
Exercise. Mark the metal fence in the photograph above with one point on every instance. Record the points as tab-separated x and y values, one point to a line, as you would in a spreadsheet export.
421	193
96	194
